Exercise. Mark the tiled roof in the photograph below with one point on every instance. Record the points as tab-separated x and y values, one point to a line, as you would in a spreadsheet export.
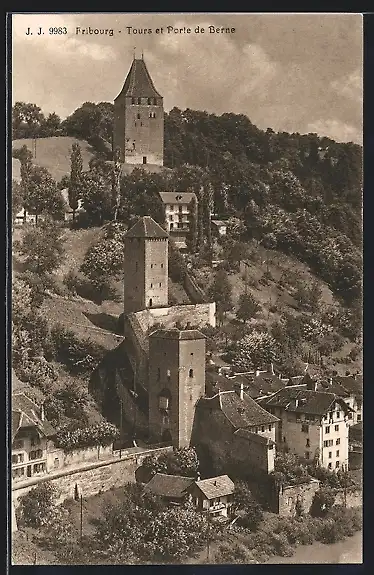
25	413
146	227
168	485
216	486
303	400
352	383
185	334
215	382
138	82
177	197
244	412
261	384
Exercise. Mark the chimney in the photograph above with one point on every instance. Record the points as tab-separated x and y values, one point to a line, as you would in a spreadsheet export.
198	476
329	380
257	372
239	390
42	412
296	403
215	483
272	369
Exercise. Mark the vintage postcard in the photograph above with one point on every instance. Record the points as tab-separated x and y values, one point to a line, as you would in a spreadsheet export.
186	228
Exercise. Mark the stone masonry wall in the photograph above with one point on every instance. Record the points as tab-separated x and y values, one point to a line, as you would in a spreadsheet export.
90	478
289	495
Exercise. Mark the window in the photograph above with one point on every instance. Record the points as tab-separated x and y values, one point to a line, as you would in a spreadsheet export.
171	217
151	285
359	417
328	443
336	427
307	455
325	417
330	454
57	462
139	101
330	465
37	454
19	472
154	114
150	302
132	101
151	266
327	429
338	415
144	159
149	101
337	463
308	442
305	427
160	284
256	429
141	123
271	446
138	116
337	441
350	415
17	444
155	101
337	453
18	458
190	373
263	428
270	427
39	467
171	226
191	353
163	402
162	265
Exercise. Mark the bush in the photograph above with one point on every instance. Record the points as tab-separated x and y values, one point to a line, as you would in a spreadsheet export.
323	501
103	433
37	504
79	355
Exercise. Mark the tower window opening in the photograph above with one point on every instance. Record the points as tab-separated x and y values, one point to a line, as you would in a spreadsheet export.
150	115
160	284
162	265
150	302
138	116
151	285
144	159
190	373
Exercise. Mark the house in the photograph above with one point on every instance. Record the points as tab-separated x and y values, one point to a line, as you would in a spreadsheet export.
235	433
69	214
352	386
219	227
312	424
172	488
30	436
178	215
213	495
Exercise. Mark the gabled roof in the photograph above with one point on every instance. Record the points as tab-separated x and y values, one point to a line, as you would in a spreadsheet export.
138	82
25	413
252	436
352	383
146	227
216	486
173	486
297	400
244	412
177	197
185	334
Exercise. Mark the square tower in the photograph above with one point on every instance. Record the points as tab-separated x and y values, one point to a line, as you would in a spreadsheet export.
176	383
139	119
145	266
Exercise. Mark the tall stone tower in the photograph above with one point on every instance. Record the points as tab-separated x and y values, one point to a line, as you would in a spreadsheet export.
139	119
145	266
176	382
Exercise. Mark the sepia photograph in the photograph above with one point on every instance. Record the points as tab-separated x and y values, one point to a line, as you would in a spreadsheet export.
185	221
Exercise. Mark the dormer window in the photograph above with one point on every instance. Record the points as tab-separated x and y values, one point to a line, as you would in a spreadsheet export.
190	373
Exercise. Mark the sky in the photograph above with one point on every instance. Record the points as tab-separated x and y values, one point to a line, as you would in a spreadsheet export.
290	72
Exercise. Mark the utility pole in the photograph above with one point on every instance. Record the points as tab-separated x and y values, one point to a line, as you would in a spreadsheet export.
81	529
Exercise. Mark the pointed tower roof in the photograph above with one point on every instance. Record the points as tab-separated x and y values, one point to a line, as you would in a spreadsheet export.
138	82
146	227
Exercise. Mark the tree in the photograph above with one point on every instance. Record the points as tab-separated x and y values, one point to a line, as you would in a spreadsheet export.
249	510
76	177
116	184
27	120
255	350
192	235
221	292
41	195
323	501
17	198
96	194
42	248
37	504
182	461
247	308
50	126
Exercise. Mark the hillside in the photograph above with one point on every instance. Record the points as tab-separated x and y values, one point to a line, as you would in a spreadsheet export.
54	153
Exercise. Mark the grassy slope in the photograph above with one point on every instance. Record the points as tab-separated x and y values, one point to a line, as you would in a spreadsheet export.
54	153
274	294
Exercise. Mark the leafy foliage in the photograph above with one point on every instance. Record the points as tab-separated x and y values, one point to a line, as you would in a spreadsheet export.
42	248
255	350
37	504
247	307
103	433
183	461
79	355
